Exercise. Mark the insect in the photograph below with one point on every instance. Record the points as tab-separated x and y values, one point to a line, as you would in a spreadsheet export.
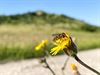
58	36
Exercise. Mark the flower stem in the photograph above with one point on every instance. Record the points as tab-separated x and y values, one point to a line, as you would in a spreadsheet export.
65	63
47	66
85	65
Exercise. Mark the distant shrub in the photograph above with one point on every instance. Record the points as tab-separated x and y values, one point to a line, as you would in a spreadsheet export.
89	28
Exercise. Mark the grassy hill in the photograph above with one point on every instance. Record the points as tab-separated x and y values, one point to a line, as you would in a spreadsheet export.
43	18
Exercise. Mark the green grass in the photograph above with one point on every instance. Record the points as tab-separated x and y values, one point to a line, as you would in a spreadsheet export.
18	42
87	40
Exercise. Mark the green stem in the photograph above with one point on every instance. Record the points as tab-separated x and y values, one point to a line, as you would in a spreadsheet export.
85	65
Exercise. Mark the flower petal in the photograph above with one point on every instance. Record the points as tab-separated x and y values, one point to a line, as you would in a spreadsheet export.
55	50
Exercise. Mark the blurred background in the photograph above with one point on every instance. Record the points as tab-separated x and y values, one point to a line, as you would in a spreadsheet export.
24	23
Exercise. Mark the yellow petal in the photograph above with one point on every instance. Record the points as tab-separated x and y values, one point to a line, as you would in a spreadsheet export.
41	45
73	67
38	47
55	50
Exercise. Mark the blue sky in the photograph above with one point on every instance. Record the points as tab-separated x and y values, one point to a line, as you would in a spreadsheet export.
86	10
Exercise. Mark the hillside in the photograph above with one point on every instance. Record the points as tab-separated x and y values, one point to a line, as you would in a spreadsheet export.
42	18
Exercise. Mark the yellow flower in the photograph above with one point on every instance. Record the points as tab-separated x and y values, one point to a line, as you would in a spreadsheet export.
41	45
64	42
73	67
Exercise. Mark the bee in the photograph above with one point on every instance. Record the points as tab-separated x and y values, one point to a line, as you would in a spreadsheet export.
58	36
